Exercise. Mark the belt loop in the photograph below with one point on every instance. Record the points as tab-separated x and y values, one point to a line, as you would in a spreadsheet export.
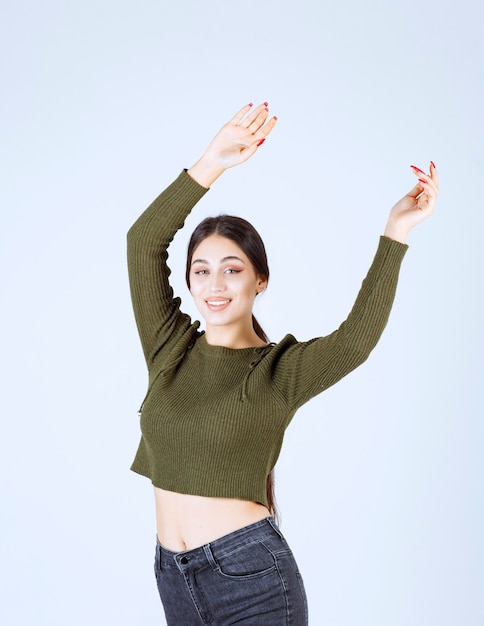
158	555
209	555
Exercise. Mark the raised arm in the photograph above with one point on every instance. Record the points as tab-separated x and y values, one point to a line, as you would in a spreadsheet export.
157	312
159	319
307	368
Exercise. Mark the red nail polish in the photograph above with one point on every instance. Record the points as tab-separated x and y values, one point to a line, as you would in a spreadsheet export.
433	165
417	169
275	117
261	142
266	104
422	181
251	104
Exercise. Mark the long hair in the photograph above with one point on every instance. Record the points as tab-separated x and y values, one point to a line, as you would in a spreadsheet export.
242	233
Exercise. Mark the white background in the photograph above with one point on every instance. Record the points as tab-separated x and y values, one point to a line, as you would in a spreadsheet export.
381	480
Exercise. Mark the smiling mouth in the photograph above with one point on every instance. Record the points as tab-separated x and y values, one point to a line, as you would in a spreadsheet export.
217	305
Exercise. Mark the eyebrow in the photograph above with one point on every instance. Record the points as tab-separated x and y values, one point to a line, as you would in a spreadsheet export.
226	258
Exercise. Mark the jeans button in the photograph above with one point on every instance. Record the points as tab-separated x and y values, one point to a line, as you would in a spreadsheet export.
184	560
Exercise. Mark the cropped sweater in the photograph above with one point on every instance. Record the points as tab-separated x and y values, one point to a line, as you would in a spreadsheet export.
213	419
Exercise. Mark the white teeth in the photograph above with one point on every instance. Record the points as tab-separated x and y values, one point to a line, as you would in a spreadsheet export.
217	303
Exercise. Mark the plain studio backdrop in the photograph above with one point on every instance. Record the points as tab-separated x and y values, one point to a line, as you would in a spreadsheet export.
381	478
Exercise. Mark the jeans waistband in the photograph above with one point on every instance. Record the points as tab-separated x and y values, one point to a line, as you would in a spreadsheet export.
247	534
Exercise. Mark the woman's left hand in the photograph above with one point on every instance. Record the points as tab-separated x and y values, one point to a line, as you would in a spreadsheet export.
415	206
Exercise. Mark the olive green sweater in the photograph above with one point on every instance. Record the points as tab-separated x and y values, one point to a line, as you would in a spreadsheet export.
213	419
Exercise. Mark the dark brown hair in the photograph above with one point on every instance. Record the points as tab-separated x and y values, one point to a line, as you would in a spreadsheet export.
242	233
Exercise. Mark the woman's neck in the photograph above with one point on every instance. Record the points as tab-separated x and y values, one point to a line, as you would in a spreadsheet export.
235	338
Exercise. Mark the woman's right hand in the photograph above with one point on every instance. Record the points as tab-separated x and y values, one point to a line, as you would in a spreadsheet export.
234	144
415	206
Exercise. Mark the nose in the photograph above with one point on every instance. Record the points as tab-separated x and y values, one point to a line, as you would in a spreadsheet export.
217	282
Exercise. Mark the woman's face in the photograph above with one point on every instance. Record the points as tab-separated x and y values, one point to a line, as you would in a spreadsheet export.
223	282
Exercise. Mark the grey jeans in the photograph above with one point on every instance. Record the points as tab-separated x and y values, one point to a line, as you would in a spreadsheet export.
248	578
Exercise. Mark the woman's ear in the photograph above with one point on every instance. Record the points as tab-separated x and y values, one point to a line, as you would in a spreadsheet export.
261	284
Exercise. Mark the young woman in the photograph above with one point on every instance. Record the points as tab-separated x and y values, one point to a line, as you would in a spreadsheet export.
219	401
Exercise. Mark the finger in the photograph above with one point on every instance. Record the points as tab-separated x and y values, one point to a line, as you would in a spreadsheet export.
238	117
426	200
267	129
433	173
258	139
259	121
417	170
250	119
425	178
428	187
429	184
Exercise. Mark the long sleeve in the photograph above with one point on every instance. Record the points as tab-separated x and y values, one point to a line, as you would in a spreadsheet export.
305	369
157	311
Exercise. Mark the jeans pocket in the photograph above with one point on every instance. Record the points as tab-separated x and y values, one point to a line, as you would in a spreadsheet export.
251	560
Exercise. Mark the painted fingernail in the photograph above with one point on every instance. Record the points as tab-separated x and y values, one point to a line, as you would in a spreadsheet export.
422	181
266	104
275	118
433	165
417	169
261	142
251	104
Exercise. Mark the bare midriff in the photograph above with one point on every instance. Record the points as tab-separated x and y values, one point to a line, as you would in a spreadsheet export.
184	522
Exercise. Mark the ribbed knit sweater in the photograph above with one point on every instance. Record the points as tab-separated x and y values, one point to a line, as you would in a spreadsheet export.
213	419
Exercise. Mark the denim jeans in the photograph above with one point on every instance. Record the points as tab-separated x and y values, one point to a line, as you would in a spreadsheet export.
248	578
